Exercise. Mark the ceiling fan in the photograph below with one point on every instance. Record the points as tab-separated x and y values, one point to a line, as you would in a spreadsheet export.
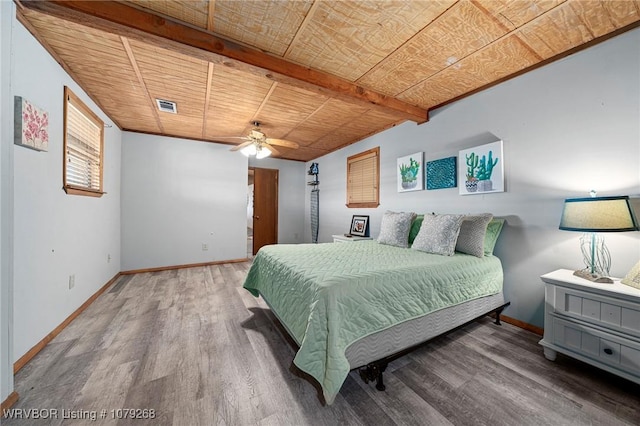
258	144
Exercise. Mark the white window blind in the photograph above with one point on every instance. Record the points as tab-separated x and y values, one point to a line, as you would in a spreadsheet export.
363	179
83	146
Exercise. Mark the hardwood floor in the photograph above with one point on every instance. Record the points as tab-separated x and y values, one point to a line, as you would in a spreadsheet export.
195	347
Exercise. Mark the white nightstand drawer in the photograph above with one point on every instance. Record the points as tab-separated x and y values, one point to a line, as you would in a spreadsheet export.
601	310
596	323
608	349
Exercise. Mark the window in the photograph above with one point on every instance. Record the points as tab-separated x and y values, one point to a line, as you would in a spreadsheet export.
363	179
83	148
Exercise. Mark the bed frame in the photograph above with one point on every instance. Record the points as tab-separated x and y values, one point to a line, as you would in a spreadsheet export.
373	370
371	354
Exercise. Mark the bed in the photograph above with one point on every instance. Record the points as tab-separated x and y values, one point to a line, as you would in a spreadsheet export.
357	304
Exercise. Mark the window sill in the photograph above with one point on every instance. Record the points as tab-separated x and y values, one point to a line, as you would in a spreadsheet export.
362	205
84	192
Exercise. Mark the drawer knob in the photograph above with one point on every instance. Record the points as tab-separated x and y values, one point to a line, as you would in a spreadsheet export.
608	351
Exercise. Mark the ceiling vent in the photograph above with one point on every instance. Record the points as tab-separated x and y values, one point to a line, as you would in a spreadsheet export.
167	106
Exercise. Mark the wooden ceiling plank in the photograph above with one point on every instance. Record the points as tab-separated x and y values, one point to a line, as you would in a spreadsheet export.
205	110
211	15
263	103
303	25
25	22
133	22
134	64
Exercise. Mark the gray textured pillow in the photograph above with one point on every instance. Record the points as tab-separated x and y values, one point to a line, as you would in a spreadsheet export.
472	232
395	227
438	233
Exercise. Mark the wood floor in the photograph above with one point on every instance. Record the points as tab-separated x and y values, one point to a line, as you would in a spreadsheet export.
195	347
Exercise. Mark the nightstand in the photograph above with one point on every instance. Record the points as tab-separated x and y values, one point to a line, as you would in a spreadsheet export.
595	323
345	239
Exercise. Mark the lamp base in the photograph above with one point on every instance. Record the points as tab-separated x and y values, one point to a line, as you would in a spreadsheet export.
596	278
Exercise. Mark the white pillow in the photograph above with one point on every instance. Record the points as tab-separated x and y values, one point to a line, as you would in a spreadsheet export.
438	234
395	227
472	232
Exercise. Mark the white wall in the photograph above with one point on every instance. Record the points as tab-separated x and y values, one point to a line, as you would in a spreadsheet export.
55	234
291	197
567	128
6	198
178	194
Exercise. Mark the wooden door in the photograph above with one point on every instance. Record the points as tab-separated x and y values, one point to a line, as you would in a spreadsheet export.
265	208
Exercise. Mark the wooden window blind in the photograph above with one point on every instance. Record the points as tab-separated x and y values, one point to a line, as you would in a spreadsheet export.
363	179
83	148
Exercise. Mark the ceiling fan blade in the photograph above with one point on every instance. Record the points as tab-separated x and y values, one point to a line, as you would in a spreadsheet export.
270	148
227	137
282	142
242	145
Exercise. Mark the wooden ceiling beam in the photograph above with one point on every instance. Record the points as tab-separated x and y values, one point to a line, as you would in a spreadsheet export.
136	23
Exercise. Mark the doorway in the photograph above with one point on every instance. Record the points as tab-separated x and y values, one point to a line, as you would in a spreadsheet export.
263	198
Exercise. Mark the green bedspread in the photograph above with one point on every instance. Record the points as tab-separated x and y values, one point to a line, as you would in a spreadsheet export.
330	295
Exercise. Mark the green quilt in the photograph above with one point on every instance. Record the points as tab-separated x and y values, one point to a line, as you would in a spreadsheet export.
330	295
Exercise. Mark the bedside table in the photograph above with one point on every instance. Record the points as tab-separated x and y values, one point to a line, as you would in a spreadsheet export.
595	323
345	239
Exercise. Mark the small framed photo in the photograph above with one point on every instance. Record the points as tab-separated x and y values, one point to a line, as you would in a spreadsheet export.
359	226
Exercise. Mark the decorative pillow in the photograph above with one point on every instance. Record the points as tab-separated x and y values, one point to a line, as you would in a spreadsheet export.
415	228
394	229
472	232
438	234
491	237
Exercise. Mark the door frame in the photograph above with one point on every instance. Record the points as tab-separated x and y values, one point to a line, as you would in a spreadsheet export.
277	182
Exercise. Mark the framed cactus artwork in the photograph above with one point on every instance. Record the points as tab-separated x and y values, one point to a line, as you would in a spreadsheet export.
410	173
481	169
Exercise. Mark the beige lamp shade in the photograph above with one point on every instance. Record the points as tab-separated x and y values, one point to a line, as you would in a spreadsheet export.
598	214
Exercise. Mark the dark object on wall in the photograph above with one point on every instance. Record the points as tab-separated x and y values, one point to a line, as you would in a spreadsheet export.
315	202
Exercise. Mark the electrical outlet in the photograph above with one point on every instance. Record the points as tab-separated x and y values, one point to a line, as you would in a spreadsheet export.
72	281
205	247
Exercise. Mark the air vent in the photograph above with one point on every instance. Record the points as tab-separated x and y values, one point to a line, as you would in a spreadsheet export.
167	106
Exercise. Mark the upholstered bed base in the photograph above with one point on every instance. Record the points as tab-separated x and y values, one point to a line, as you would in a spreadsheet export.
372	353
410	333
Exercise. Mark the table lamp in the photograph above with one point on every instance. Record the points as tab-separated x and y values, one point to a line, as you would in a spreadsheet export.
597	214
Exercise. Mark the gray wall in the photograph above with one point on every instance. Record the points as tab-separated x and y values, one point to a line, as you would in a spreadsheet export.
567	128
178	194
55	235
291	185
6	197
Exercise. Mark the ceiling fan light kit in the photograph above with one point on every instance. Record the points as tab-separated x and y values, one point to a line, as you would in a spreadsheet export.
258	144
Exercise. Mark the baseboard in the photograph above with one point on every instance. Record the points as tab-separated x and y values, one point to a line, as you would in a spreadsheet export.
8	403
190	265
522	324
24	359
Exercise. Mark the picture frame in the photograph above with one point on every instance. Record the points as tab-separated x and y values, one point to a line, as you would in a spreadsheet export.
410	171
441	174
31	125
359	226
481	169
633	277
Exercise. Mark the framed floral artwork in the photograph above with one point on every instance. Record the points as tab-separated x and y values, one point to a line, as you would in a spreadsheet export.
410	173
481	169
31	125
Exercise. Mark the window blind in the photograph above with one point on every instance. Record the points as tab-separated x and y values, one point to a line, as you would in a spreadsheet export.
83	146
363	179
